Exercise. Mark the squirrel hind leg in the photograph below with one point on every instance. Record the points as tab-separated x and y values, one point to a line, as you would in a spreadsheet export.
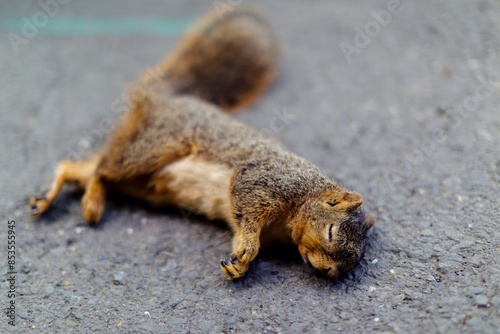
79	172
94	200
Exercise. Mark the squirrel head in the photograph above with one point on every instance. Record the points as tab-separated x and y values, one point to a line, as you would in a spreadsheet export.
330	231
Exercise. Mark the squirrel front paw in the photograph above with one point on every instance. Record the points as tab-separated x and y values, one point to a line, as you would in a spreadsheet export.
240	261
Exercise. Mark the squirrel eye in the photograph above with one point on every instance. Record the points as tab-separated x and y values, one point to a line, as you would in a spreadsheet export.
330	239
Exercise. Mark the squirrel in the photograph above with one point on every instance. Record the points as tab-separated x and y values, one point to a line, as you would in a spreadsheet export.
176	146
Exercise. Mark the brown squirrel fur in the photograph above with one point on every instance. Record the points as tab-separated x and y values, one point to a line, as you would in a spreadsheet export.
175	148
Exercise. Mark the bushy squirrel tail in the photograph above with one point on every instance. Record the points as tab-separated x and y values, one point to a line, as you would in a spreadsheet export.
226	59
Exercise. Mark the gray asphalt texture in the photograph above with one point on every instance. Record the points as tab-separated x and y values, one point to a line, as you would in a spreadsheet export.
388	125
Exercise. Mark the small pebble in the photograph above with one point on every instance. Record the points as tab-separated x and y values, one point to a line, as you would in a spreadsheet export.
374	261
376	319
147	313
481	300
119	278
130	231
372	288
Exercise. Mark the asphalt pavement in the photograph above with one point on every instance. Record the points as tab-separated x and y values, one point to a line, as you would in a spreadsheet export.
396	100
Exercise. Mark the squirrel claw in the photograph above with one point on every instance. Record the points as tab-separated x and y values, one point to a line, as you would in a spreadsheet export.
234	268
224	267
34	210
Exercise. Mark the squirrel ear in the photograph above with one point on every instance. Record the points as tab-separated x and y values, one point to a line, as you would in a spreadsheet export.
370	220
347	201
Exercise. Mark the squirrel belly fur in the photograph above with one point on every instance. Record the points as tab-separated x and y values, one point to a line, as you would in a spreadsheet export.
176	146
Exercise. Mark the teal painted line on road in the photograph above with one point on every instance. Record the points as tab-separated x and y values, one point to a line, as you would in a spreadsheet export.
97	26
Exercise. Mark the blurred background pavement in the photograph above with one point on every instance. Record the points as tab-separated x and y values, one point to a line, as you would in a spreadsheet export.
400	103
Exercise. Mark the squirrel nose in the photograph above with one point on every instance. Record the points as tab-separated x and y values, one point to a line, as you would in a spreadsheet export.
331	272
